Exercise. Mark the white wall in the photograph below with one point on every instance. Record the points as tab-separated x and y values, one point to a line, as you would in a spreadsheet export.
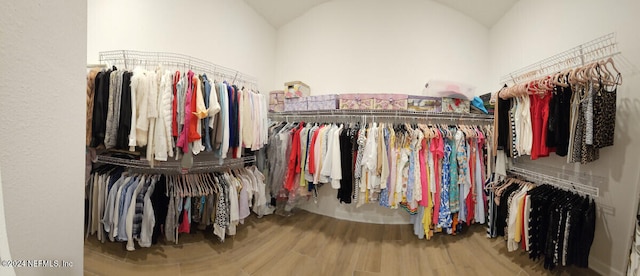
346	46
224	32
536	29
42	111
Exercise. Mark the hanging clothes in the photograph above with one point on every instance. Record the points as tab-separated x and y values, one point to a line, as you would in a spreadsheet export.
573	117
164	114
130	207
435	174
547	222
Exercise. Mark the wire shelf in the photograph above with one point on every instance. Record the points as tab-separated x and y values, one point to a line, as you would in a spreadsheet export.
598	49
402	116
174	167
575	182
130	59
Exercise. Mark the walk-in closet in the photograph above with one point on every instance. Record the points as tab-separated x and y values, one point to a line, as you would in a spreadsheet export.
319	137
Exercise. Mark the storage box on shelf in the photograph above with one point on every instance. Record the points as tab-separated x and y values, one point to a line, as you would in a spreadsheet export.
390	102
373	101
455	105
424	103
356	101
322	102
296	89
276	101
296	104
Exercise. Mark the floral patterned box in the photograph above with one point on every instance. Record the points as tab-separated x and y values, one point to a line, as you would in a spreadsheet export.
296	89
424	103
452	105
390	101
322	102
356	101
296	104
276	101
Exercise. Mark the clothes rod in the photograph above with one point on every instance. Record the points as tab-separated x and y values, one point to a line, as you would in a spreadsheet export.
171	167
96	65
131	58
375	115
597	49
556	182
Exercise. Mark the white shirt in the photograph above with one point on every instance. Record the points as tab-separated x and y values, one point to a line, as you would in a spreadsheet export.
327	156
142	97
225	126
370	157
526	131
336	165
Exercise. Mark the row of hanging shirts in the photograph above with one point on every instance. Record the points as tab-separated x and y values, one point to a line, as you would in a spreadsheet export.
545	221
434	172
172	114
571	113
132	207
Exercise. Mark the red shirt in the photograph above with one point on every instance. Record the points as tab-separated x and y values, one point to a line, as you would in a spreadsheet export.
289	182
470	200
544	114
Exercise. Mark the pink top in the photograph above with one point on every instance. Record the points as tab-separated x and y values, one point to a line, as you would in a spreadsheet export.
184	136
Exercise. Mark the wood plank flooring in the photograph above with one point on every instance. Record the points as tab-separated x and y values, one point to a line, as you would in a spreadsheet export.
311	244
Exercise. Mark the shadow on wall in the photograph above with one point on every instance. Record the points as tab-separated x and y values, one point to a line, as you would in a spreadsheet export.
5	253
627	113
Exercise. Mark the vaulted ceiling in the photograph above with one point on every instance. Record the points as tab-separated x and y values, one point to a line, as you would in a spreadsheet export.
280	12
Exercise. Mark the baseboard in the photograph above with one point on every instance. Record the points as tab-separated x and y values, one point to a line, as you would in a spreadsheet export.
603	269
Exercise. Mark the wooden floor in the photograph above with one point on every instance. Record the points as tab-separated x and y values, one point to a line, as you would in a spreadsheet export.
310	244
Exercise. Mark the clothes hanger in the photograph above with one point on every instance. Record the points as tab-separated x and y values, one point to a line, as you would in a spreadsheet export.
505	92
175	186
193	187
214	183
190	185
540	85
557	81
185	186
204	184
434	131
448	131
425	132
572	76
616	78
583	74
472	131
197	185
602	75
181	188
211	183
178	186
463	130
